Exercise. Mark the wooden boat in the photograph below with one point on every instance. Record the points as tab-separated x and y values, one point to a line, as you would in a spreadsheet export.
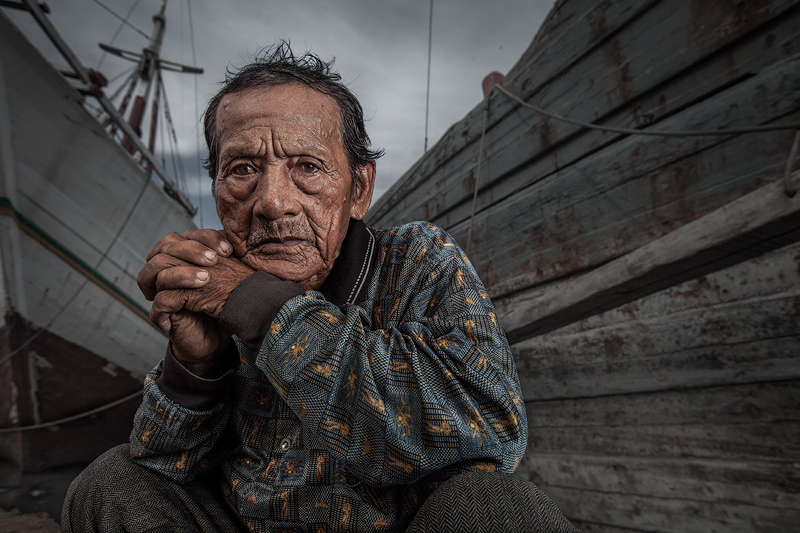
649	284
78	214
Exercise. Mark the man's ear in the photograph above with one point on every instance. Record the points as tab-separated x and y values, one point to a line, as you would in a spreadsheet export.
365	181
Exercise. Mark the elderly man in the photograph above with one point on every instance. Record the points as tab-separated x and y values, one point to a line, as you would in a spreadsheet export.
321	375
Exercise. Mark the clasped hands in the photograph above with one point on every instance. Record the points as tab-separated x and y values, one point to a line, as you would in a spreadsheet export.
188	278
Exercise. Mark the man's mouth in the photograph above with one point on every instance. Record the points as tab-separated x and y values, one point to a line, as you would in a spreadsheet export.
286	241
274	235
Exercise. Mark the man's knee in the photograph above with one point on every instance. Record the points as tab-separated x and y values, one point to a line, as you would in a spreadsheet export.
99	486
116	494
489	501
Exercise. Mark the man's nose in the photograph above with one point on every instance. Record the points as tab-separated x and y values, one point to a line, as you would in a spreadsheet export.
276	194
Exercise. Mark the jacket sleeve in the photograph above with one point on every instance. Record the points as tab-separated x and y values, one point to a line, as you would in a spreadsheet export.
417	379
181	431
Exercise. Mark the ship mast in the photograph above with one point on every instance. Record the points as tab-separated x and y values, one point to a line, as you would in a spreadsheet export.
148	70
148	75
94	82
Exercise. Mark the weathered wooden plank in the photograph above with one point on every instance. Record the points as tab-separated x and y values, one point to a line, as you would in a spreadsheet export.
770	484
601	207
766	276
590	90
527	148
679	514
727	405
588	527
530	234
736	343
747	442
737	231
752	422
542	146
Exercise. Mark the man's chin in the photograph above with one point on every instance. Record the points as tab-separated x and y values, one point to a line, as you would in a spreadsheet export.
299	268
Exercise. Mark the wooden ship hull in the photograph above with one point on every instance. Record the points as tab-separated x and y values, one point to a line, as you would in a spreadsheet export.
649	285
76	333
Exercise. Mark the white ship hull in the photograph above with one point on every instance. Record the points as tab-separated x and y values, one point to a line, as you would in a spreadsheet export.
67	190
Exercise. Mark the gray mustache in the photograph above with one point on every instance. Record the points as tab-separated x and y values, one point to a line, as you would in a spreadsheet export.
279	231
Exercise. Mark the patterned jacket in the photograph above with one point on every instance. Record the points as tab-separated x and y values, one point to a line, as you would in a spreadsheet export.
349	405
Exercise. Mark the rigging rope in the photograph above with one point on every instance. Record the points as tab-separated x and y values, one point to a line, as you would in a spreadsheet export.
123	107
661	133
131	71
116	33
180	177
94	106
98	110
74	417
124	21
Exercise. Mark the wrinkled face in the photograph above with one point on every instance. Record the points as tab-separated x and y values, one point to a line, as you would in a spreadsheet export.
284	191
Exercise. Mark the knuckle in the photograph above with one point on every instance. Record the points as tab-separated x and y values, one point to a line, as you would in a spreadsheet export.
155	312
169	248
165	260
161	281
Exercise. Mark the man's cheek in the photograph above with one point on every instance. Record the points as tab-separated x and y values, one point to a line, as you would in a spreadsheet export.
238	212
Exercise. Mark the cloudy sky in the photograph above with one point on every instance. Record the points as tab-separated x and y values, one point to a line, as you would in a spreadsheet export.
381	51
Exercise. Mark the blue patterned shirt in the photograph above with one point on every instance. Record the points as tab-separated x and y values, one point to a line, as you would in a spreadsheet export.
347	417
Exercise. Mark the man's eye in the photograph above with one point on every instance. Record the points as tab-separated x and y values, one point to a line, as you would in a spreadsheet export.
243	169
308	168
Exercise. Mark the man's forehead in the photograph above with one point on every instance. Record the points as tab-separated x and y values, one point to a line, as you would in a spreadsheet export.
253	143
286	104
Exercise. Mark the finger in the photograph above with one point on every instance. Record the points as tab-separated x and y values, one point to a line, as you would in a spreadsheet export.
168	238
193	252
148	275
164	304
161	319
181	277
214	239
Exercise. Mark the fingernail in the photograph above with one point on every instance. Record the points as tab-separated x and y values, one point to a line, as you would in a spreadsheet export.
225	247
210	254
164	325
202	276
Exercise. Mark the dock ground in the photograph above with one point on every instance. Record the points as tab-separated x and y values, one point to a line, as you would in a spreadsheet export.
31	502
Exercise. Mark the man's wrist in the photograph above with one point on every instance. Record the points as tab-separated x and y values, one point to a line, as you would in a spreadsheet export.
211	367
254	304
190	390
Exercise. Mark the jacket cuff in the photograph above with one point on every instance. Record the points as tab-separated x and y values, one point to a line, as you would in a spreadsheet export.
254	304
191	391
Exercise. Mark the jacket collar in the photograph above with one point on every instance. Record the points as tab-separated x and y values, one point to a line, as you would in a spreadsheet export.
347	283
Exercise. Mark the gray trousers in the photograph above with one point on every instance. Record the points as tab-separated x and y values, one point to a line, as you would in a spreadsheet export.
114	494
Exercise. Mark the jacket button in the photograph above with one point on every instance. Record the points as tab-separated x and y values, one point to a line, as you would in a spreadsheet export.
285	443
